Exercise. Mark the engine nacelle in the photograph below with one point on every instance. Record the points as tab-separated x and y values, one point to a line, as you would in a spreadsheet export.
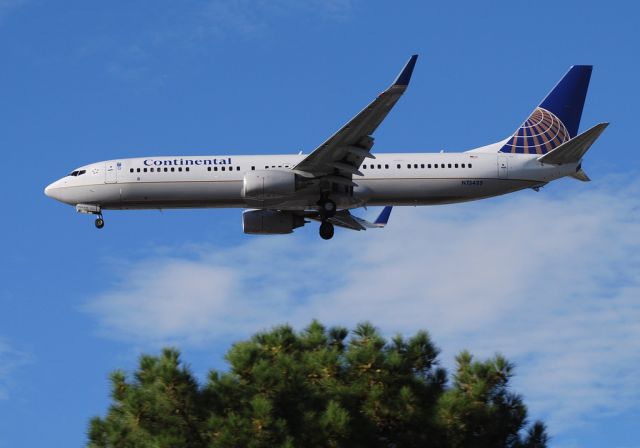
268	186
269	222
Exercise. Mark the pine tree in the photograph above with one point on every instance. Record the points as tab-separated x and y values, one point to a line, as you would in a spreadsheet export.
318	388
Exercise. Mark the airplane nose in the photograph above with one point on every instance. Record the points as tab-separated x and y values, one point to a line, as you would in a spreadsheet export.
53	191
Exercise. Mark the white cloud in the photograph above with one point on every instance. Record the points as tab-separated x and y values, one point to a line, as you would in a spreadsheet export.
549	280
10	361
250	17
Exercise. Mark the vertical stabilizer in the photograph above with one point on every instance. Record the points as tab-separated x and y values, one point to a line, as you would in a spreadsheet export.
557	119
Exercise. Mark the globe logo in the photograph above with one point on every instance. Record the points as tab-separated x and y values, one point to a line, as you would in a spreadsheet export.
541	133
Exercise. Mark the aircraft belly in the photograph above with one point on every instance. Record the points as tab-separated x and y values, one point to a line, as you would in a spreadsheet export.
389	191
435	190
181	194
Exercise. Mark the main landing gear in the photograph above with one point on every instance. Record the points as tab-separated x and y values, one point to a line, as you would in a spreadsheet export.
327	207
327	210
326	230
99	222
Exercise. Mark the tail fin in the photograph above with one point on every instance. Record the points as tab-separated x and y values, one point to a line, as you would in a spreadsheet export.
556	120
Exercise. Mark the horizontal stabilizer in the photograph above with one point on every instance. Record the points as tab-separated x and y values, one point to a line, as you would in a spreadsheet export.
573	150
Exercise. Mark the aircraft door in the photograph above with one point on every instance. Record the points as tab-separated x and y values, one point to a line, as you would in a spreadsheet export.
111	169
503	167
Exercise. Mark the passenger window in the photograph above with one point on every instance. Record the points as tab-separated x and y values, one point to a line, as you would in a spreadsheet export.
415	165
408	165
364	167
253	168
180	169
215	168
386	166
208	168
463	165
186	169
449	165
398	165
138	170
429	166
266	167
237	168
379	167
145	170
456	165
223	168
442	165
422	165
166	169
435	165
173	169
131	170
469	165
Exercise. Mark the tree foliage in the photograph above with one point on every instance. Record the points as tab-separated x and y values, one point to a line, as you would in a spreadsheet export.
318	388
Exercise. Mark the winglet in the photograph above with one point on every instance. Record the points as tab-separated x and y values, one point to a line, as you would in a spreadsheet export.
383	218
405	75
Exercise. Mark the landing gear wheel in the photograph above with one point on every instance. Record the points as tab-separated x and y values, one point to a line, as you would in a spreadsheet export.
327	207
99	223
326	230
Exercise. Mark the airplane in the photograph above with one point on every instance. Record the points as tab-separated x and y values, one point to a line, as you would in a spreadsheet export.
283	192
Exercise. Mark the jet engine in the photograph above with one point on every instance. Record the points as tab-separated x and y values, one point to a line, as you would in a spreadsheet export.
269	222
268	186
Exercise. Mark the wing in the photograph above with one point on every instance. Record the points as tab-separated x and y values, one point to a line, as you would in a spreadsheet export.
345	219
341	155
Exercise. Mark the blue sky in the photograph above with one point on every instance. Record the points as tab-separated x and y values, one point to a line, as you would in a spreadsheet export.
550	279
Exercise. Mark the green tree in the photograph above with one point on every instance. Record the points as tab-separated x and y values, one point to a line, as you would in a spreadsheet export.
318	388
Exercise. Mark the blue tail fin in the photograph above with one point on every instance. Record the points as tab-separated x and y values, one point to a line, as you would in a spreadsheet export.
556	119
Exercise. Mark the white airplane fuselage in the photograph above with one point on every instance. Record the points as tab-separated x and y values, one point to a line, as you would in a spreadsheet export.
283	192
217	181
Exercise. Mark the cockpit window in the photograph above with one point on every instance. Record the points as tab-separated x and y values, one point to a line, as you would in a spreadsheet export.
77	173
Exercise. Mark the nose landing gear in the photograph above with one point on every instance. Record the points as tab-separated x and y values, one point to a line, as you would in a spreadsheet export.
92	209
